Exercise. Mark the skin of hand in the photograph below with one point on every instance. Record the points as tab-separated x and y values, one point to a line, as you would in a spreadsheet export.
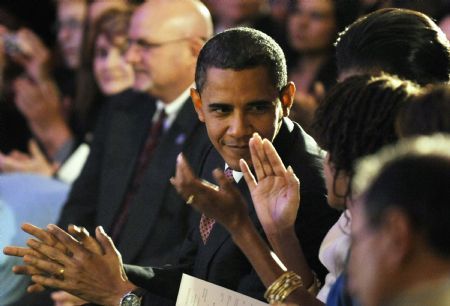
34	56
98	278
34	162
39	102
276	192
62	298
46	237
223	203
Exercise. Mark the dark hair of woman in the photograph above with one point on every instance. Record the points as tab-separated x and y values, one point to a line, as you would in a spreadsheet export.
113	23
357	117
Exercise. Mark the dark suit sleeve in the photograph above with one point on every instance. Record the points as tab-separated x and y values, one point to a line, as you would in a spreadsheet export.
80	207
161	284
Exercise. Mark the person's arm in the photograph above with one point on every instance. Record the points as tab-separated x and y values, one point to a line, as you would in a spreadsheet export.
230	210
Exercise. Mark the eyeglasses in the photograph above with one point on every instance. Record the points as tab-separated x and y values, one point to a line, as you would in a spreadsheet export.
144	45
70	24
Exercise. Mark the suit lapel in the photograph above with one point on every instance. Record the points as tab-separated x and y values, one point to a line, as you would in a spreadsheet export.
129	127
155	183
219	235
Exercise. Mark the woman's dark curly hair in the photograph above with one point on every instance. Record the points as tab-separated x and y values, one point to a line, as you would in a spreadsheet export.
357	117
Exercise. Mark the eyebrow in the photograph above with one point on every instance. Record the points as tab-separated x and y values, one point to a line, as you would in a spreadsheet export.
252	103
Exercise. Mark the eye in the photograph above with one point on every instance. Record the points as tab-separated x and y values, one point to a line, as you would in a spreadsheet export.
101	53
219	109
259	108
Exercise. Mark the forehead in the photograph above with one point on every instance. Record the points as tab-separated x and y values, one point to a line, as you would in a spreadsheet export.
147	23
72	9
246	85
324	6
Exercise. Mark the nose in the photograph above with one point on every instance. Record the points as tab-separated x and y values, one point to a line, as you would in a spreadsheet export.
113	59
63	34
240	126
132	54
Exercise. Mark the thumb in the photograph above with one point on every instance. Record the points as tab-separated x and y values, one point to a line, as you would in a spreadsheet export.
35	151
105	241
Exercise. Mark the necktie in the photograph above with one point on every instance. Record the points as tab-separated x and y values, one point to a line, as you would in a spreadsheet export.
145	155
206	223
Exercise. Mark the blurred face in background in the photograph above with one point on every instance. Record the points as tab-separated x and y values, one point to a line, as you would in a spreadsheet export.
234	12
112	72
336	185
312	26
71	17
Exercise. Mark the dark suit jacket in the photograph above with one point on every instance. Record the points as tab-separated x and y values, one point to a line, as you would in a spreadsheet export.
158	218
220	261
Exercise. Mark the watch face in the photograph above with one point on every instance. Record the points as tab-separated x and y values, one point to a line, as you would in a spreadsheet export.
130	299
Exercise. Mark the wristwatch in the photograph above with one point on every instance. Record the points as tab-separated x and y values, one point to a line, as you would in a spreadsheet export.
132	298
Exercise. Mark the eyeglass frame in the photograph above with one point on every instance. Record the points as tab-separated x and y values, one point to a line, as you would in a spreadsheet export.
145	45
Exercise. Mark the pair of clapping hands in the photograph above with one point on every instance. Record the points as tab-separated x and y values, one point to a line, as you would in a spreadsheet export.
91	268
72	261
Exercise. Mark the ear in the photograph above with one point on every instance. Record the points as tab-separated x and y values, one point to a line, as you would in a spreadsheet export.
398	236
197	100
287	98
196	44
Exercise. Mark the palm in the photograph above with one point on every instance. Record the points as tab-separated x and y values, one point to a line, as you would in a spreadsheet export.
275	203
276	194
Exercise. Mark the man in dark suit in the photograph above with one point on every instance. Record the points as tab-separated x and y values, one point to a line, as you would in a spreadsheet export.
116	186
242	88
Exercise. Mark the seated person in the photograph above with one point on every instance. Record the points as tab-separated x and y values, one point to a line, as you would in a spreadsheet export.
353	105
400	230
233	108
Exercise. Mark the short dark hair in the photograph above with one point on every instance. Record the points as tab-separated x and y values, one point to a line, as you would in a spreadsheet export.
357	118
242	48
427	113
413	176
397	41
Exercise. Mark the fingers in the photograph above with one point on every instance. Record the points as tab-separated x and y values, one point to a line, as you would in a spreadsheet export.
27	270
39	233
254	143
64	298
248	175
49	267
35	151
184	178
48	281
274	160
105	241
19	251
83	236
51	254
35	288
66	240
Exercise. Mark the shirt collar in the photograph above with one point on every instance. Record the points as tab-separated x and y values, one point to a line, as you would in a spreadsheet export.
237	175
173	108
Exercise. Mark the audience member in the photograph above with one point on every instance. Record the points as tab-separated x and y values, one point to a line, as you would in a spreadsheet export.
232	109
396	41
312	29
112	75
276	195
400	230
250	13
428	113
104	72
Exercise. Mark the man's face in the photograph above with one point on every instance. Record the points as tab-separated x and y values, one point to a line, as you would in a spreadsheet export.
368	267
234	104
158	58
71	16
